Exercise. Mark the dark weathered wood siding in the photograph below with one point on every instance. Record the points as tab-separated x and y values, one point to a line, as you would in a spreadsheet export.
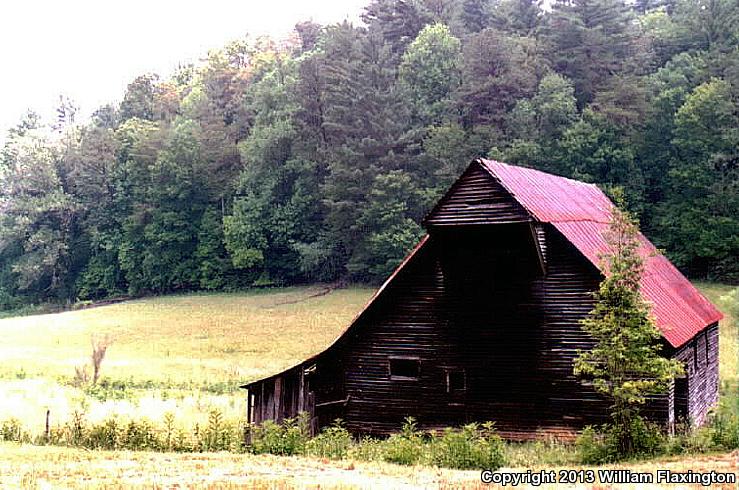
515	339
700	358
280	397
476	199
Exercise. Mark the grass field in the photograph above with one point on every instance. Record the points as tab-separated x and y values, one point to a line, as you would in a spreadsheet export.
719	294
187	354
196	338
176	354
35	467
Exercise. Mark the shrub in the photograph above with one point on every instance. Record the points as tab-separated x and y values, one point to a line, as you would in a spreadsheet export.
592	447
597	446
182	442
687	440
549	452
407	447
218	435
367	449
286	439
76	429
108	435
400	450
169	437
12	430
107	389
469	448
141	435
647	437
333	442
724	425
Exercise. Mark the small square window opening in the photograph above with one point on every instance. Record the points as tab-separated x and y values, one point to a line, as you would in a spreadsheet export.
455	381
404	368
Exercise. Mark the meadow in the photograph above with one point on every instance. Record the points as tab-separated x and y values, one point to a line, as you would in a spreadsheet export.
55	467
184	356
176	354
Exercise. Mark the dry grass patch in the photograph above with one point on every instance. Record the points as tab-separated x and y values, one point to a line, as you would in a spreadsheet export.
44	467
54	467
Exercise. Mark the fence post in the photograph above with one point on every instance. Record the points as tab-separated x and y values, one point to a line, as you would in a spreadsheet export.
47	431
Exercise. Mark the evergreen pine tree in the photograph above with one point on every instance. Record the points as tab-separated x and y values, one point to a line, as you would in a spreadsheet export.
625	363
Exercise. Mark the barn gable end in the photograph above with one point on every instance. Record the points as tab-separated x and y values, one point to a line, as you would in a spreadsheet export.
476	199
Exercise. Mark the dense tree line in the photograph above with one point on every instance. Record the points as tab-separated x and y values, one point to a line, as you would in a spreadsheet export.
316	158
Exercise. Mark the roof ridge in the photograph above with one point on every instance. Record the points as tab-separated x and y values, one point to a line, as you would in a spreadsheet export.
536	170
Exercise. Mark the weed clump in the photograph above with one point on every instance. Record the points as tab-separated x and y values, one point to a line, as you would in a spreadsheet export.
471	447
407	447
333	442
12	430
721	433
286	439
604	444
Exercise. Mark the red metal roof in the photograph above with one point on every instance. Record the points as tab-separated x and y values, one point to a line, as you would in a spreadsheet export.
581	212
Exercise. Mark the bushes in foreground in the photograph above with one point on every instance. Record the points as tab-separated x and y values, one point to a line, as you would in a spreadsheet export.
472	446
286	439
598	446
601	445
115	433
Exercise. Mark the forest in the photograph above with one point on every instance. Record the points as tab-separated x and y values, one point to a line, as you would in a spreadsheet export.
315	157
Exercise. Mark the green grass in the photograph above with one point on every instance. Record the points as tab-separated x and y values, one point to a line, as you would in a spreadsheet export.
184	354
195	338
721	296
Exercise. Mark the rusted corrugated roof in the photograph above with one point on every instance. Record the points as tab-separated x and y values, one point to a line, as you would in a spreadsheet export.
581	212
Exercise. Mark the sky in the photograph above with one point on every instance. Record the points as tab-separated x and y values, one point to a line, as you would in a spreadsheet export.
90	50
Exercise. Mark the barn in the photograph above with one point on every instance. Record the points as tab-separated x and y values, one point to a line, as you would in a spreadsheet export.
481	321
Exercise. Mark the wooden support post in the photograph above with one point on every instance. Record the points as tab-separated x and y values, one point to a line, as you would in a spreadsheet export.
278	399
249	418
301	388
47	431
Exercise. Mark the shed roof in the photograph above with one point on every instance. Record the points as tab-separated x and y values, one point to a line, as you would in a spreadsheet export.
581	212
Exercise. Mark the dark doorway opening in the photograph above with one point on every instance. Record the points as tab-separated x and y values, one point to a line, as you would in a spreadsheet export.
681	400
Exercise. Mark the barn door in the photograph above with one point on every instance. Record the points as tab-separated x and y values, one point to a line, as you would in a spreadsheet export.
330	400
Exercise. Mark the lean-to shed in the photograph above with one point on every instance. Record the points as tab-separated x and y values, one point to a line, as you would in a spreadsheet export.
481	321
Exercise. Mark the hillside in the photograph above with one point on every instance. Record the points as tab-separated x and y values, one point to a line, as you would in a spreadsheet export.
194	338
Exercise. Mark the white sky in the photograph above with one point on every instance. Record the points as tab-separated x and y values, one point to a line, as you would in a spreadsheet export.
90	50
